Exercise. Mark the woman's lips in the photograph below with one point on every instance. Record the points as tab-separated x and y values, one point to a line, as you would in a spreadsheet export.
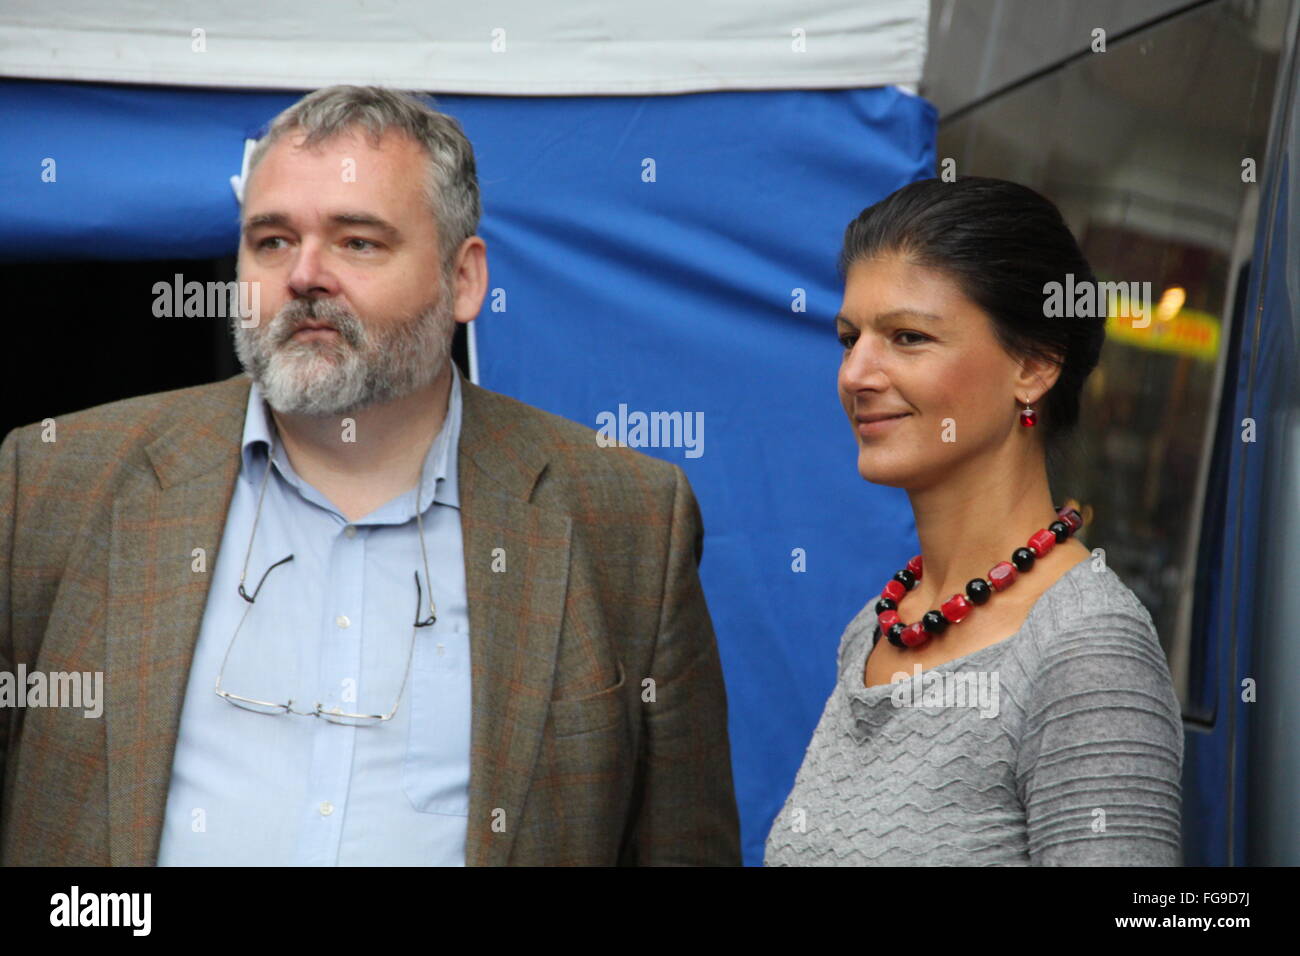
881	427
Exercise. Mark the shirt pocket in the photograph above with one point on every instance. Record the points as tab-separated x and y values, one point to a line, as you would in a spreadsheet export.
435	769
594	712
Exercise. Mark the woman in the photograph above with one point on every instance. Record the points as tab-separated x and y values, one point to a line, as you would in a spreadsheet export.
1004	699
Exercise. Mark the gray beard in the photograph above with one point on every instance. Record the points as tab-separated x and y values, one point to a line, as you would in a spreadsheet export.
364	366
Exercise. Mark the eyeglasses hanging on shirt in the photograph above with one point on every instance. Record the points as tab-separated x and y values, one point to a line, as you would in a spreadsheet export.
332	714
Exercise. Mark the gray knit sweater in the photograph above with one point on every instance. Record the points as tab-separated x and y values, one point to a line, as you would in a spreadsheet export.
1061	745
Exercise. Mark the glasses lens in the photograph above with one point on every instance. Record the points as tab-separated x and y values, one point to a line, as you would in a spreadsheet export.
349	720
255	706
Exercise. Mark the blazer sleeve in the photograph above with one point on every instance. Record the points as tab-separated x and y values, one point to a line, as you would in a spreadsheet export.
687	814
8	509
1101	756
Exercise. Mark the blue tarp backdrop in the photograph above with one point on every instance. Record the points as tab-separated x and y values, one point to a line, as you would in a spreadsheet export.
651	254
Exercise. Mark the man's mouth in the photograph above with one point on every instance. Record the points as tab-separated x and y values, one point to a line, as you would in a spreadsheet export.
310	330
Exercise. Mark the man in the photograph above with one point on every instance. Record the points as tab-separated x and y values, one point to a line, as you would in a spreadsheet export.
357	610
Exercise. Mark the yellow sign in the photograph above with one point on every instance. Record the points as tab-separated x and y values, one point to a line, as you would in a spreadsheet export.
1188	332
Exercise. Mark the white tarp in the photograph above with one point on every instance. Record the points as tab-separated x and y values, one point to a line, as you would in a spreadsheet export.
508	47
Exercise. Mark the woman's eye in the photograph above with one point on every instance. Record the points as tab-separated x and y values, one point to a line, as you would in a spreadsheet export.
848	341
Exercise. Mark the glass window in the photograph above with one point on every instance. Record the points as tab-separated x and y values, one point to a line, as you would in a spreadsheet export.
1148	151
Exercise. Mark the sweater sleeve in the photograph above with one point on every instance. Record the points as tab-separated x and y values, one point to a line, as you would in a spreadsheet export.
1100	762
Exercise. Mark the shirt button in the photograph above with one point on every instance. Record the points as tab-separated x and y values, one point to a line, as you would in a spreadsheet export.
342	621
350	531
326	808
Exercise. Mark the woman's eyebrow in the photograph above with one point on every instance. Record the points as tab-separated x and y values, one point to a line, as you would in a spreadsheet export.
841	319
909	313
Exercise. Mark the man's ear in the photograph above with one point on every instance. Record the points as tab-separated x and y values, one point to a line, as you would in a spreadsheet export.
470	277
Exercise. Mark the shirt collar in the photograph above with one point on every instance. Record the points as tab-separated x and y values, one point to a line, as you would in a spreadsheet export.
440	485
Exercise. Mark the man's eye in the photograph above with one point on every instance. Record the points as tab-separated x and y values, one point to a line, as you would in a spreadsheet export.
918	335
367	242
262	243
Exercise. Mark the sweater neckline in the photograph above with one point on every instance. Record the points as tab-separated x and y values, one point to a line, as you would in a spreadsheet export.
853	675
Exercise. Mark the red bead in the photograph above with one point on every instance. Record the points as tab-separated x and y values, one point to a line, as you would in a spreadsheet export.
1042	542
894	590
915	566
887	619
1028	418
1072	518
955	608
1002	575
914	634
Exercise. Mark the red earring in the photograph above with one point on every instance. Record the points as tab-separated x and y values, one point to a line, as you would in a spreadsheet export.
1028	417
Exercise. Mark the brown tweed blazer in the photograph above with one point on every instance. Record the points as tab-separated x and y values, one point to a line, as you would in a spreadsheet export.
571	762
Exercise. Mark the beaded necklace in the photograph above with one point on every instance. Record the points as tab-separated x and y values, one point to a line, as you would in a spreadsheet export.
978	590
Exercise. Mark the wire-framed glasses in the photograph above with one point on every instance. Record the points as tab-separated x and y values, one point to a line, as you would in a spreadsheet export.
333	714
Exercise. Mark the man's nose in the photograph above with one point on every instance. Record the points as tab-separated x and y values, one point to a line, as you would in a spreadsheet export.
310	275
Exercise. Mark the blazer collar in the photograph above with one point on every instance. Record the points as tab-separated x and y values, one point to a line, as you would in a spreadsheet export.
201	438
204	433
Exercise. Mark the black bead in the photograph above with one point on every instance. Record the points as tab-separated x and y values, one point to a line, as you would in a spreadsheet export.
1060	529
886	604
1023	559
978	590
934	622
906	578
896	635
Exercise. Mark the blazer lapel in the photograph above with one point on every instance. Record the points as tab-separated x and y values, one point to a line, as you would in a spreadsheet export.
515	614
156	598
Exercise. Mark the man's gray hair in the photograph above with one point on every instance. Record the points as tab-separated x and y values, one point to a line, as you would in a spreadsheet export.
451	187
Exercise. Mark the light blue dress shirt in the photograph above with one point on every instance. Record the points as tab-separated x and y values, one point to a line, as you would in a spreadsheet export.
333	625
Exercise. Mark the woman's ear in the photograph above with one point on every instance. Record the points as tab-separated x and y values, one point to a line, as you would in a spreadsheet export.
1036	377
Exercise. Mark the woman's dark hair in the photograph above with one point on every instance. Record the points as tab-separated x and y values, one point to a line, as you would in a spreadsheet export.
1001	243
